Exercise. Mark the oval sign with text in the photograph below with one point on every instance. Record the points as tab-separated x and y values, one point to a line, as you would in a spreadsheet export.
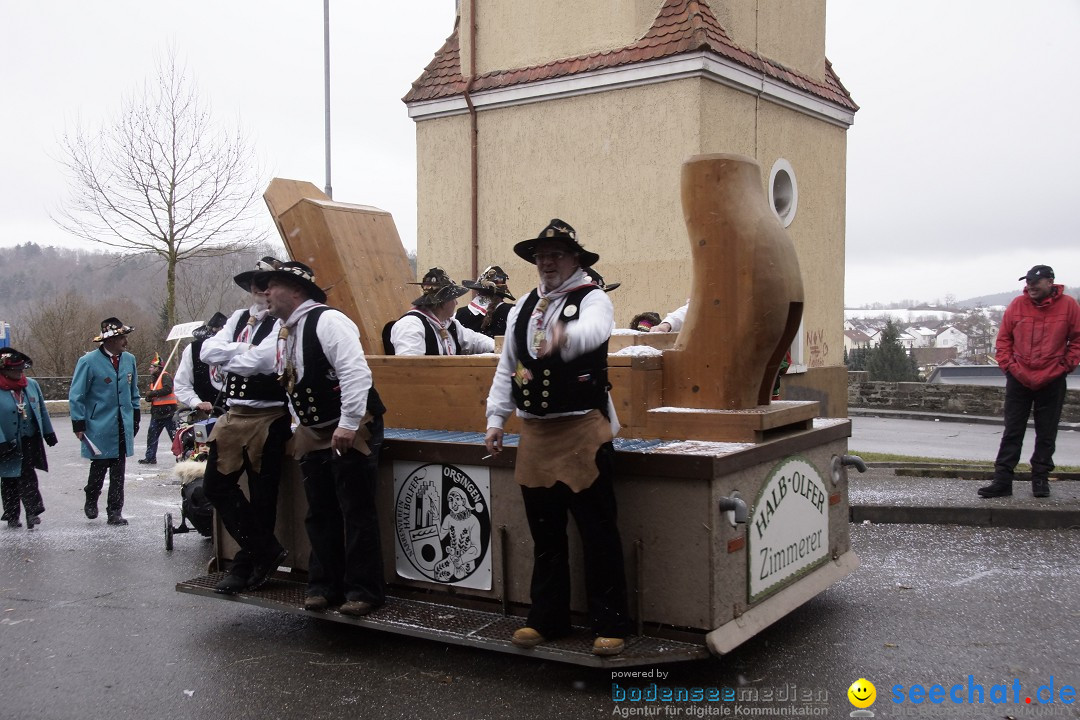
788	531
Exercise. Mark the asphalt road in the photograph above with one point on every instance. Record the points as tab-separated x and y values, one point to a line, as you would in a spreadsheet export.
950	440
91	627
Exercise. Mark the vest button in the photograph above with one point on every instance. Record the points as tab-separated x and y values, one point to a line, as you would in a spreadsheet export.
527	403
547	372
241	394
525	392
544	404
545	393
316	418
547	382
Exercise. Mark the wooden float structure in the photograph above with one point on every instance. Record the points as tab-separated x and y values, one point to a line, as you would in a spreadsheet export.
733	510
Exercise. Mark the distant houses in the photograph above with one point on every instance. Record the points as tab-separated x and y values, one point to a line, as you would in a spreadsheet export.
933	336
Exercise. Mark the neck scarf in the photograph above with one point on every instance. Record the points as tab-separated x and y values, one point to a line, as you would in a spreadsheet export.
285	361
441	330
254	319
480	305
549	299
7	383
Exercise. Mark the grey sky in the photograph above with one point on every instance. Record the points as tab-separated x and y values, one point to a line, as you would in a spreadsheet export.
960	162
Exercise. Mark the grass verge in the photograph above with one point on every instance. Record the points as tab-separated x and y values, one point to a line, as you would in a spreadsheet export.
872	457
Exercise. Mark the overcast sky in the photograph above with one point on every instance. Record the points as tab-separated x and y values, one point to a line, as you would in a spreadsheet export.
961	162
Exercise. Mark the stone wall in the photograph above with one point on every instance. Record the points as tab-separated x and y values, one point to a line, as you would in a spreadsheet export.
56	388
954	399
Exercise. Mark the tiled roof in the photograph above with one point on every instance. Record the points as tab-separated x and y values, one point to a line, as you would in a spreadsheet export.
681	26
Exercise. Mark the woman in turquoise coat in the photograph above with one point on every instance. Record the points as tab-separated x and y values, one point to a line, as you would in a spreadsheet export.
24	425
104	405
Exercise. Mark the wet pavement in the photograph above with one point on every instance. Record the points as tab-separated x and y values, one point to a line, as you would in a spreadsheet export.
90	626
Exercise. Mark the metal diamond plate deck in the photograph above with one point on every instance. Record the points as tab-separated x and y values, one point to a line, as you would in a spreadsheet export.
458	626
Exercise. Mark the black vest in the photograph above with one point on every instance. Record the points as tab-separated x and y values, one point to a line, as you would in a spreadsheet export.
431	341
496	320
200	373
559	386
317	397
254	387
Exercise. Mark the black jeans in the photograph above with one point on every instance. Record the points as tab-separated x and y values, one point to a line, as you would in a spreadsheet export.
1019	401
250	522
343	524
115	467
24	488
595	513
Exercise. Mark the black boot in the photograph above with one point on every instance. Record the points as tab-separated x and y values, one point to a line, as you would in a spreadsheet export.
1040	487
998	488
90	508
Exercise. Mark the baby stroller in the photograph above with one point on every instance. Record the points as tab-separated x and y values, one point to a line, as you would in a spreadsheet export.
191	439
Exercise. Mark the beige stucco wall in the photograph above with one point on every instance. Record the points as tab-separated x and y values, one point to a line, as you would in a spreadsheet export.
443	195
792	32
522	34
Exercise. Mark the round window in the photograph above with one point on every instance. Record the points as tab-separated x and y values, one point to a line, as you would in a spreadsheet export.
783	191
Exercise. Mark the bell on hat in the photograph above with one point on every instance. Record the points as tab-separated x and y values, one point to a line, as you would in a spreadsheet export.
112	327
491	282
156	361
438	288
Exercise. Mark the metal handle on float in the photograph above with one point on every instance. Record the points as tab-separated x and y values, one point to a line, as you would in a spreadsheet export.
853	460
736	506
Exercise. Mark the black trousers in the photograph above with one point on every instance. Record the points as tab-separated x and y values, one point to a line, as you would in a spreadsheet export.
343	524
115	467
24	488
1019	402
595	513
251	522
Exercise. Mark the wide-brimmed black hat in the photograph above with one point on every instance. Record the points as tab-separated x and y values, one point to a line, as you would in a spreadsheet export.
1038	272
112	327
12	359
215	323
556	230
265	265
599	280
438	288
491	282
296	272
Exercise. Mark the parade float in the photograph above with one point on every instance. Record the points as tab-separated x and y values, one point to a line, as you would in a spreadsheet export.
733	509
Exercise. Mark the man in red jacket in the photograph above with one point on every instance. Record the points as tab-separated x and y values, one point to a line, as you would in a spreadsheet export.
1037	347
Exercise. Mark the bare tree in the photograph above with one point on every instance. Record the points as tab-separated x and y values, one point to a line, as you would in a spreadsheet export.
163	179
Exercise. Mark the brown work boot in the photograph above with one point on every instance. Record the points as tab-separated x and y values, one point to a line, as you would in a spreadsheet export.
526	637
608	646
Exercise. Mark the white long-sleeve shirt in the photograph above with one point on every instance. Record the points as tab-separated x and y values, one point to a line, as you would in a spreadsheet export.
340	341
677	317
228	356
596	318
184	380
408	337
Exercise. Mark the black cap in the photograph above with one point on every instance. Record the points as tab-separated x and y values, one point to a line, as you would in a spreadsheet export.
1037	273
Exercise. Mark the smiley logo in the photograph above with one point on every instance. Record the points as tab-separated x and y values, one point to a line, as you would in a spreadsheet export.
862	693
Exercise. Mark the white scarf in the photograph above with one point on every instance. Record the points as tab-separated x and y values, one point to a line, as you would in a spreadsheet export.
441	329
547	299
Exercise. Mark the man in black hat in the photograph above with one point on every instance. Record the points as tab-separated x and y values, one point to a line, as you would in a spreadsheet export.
553	373
104	406
249	438
198	385
25	428
487	312
321	362
430	328
1038	345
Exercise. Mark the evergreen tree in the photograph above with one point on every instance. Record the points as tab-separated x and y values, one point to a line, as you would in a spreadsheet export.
889	362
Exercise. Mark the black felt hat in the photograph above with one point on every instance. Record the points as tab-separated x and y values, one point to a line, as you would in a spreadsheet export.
491	282
244	279
599	280
12	359
112	327
556	230
438	288
296	272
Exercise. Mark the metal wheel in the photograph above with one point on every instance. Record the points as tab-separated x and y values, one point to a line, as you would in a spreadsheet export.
168	531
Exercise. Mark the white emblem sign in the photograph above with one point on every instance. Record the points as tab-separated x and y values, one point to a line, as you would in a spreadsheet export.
788	533
442	523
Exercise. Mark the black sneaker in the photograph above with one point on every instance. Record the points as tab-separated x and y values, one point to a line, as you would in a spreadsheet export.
145	461
263	570
231	584
998	488
1040	487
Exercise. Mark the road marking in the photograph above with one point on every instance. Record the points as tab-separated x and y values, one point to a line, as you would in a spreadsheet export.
976	576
